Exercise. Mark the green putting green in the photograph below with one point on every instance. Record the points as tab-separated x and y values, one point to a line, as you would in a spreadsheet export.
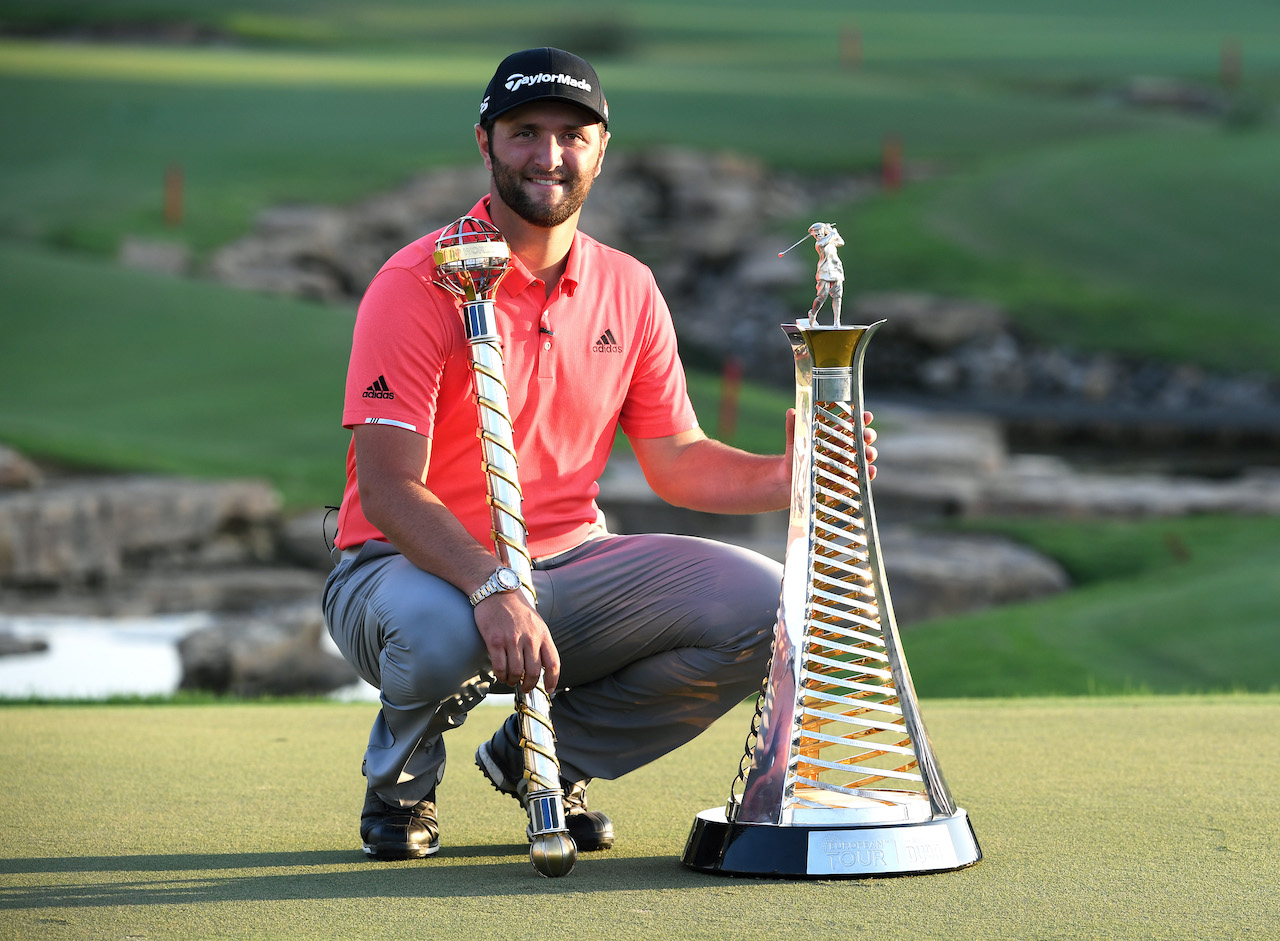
1119	817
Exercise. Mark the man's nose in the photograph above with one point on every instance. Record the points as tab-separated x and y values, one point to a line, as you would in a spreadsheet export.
549	154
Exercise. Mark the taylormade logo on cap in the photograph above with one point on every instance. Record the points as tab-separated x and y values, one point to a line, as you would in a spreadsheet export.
516	80
543	74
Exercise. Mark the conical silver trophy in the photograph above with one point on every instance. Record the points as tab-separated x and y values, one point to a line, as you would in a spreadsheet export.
471	260
839	779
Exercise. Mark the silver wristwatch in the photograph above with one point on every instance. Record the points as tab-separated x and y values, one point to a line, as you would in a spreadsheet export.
502	579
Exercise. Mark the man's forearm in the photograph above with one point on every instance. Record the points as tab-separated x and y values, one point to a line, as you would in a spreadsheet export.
390	468
689	469
428	534
712	477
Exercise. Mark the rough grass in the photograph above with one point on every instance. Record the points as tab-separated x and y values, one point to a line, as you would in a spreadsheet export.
1169	606
93	130
1127	817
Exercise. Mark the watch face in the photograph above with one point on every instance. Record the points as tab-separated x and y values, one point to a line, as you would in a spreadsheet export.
508	579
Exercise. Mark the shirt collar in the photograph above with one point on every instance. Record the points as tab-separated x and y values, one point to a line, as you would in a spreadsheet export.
518	278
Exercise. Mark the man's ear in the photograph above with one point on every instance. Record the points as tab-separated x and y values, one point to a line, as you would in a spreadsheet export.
482	141
604	142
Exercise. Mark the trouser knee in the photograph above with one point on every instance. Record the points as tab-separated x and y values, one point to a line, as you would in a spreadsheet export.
432	654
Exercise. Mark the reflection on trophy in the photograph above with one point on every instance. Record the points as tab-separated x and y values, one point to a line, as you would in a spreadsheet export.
839	778
471	260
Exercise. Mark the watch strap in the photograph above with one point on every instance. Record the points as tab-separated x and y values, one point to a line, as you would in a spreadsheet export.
492	586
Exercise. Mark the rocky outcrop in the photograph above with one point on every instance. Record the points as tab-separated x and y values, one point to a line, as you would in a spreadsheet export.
711	227
273	652
143	545
89	532
936	575
964	350
16	472
935	465
116	546
138	546
690	216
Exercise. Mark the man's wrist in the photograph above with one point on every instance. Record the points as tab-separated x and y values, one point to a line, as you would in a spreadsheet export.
503	579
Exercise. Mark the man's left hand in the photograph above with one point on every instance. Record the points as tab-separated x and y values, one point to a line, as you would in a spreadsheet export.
868	435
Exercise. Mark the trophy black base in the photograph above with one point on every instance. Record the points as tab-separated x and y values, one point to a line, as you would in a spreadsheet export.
837	851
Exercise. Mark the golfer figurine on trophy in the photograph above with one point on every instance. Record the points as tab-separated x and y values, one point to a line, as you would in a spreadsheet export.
839	778
830	275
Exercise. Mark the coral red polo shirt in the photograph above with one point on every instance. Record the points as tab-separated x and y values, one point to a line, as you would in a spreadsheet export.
599	354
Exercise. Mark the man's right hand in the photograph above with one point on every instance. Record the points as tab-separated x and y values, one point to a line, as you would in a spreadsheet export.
519	643
391	466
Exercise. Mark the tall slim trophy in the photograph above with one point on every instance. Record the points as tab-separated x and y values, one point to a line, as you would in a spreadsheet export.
839	779
471	260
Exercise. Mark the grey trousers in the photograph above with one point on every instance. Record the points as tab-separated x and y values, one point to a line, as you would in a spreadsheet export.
658	637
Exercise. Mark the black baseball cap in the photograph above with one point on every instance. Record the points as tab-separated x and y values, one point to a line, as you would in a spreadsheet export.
544	74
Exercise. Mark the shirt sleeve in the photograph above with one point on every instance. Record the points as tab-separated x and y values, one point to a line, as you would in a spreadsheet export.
405	330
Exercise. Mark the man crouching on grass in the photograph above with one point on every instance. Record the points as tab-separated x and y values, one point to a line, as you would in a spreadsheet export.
642	640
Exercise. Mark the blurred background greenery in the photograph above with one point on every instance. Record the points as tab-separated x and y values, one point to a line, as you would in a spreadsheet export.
1146	230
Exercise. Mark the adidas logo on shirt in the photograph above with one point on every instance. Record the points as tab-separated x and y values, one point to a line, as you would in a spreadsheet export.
379	390
606	344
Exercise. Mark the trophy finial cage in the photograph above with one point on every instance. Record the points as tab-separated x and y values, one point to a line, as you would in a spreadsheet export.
471	258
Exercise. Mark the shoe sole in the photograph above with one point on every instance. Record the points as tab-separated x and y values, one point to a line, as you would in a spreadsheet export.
400	851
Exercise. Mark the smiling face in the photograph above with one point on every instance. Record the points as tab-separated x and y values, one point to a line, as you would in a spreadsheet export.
543	158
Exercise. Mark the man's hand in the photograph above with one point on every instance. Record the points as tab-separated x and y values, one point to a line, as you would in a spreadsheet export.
391	464
519	643
868	435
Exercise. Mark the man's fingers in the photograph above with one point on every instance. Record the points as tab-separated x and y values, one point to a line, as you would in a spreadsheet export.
498	661
530	672
869	436
550	668
543	663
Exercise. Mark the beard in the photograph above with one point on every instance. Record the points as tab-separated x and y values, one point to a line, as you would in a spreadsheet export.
510	184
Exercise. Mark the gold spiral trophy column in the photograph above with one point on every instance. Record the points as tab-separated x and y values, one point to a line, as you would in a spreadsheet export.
839	778
471	260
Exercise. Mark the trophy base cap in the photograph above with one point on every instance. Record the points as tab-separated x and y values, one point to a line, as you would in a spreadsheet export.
811	851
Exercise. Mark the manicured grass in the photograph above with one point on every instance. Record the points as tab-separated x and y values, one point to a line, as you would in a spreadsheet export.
110	368
113	368
1150	245
1119	818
